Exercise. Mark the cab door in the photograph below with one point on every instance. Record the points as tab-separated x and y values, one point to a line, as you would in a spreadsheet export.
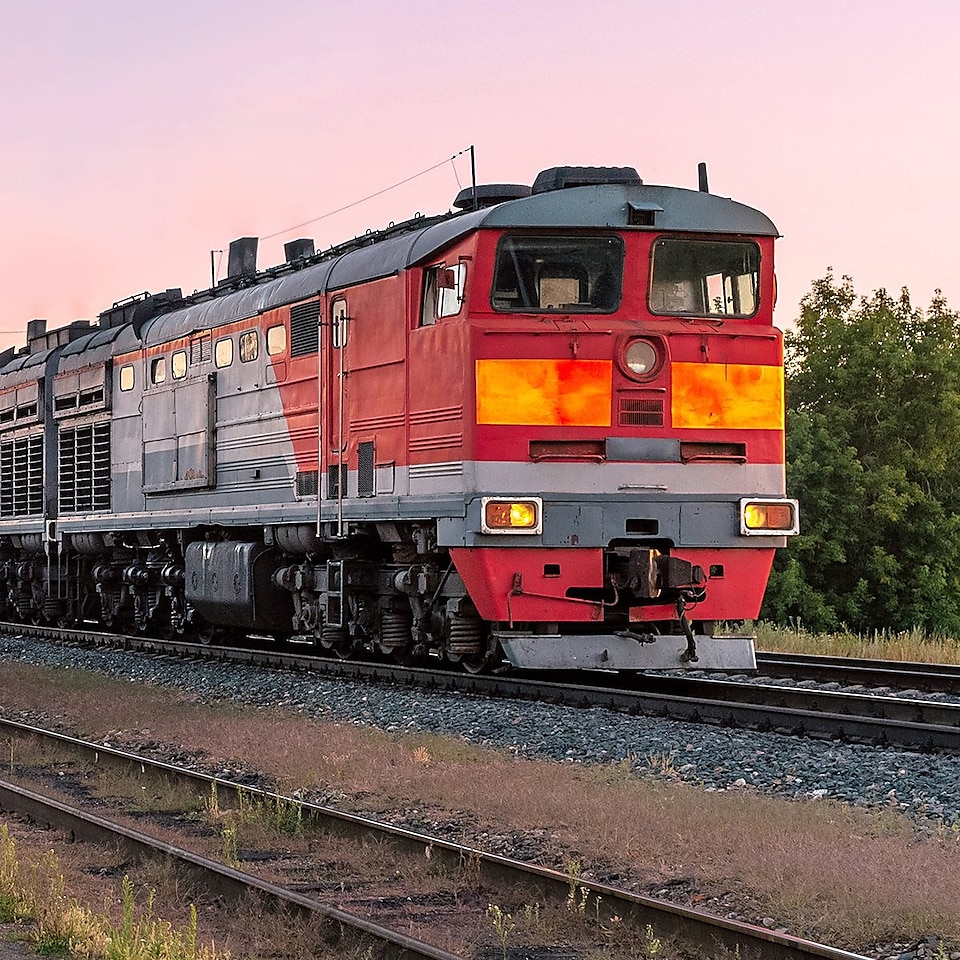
334	427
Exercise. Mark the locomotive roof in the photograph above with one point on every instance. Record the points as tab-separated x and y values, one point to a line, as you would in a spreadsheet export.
607	205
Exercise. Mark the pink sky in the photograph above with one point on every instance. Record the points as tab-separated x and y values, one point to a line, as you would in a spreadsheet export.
138	137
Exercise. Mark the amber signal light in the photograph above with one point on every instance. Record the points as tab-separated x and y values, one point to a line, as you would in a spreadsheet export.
769	517
511	516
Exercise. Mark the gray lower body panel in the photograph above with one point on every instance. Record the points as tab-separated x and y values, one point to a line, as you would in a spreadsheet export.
612	652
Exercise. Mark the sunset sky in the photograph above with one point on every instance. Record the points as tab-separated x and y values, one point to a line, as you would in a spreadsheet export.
138	137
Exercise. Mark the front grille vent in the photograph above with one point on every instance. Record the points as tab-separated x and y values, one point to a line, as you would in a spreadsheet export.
635	412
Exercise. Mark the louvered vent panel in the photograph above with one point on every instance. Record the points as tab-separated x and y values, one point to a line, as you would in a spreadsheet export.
7	485
304	335
101	466
68	472
34	485
201	348
635	412
21	477
85	468
21	469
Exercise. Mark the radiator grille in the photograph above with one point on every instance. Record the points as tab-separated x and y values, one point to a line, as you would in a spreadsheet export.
365	458
21	476
304	333
307	483
84	453
336	476
635	412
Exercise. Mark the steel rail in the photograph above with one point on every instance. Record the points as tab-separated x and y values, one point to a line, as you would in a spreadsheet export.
889	721
218	877
694	928
931	677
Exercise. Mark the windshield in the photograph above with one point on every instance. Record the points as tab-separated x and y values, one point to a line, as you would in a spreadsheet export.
705	278
558	274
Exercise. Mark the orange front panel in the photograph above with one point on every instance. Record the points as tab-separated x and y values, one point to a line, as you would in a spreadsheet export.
553	393
727	396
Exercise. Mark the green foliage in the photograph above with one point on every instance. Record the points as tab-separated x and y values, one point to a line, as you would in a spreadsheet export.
873	455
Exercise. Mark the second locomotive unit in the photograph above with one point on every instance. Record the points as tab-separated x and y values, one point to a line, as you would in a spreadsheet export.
546	428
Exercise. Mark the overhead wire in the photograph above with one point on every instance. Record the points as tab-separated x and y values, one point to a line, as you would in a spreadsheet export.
371	196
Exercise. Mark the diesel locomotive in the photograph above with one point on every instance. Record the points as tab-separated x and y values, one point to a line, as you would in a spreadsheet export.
545	428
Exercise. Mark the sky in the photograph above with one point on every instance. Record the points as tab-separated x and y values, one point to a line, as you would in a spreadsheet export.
136	137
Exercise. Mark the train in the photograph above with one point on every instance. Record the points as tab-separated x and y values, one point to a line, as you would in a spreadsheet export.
543	430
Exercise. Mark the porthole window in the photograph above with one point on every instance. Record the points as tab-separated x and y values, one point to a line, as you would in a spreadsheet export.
276	339
223	352
249	346
158	370
178	364
126	377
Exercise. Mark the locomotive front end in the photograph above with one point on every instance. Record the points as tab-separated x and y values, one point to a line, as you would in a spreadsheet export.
629	427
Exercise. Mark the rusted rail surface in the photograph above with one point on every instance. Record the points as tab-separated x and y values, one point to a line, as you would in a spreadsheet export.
692	928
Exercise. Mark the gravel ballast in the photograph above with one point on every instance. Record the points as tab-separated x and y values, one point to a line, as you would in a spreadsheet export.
924	786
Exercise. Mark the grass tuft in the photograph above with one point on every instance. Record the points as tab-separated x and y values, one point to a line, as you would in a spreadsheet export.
908	645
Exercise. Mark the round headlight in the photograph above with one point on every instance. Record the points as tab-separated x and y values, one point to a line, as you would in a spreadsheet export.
641	357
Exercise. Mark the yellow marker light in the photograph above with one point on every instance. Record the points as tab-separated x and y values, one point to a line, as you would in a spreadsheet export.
511	516
769	517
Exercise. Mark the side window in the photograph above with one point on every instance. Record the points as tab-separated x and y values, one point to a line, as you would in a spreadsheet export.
126	377
249	346
223	352
450	284
178	364
276	339
338	329
443	291
158	370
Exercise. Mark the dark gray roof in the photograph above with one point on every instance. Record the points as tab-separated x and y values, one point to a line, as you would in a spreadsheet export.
600	206
607	206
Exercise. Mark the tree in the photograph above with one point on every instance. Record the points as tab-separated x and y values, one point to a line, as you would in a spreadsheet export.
873	455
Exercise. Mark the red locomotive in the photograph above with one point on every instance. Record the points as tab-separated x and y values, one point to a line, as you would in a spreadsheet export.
546	428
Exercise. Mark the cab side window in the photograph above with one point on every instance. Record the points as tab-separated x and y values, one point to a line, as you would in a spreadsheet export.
276	339
178	364
443	292
223	352
249	346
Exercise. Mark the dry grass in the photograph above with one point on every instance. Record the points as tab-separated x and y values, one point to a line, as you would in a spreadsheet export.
149	917
910	645
832	872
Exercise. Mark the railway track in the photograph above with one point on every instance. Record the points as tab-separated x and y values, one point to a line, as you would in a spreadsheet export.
929	677
897	721
601	907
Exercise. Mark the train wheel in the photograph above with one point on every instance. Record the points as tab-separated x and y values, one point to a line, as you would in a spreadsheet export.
208	634
337	641
476	664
